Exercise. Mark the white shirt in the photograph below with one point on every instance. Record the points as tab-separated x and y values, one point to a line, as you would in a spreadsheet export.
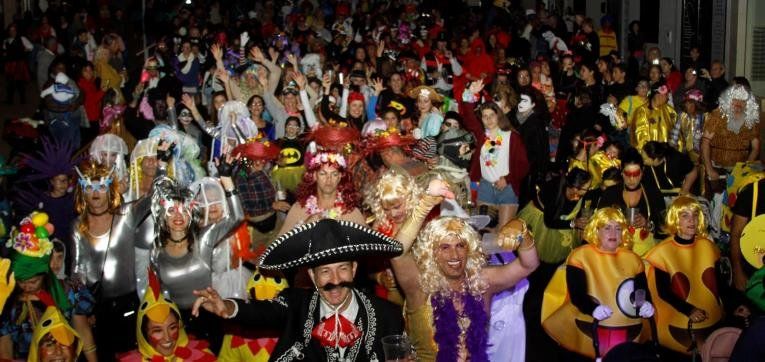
500	158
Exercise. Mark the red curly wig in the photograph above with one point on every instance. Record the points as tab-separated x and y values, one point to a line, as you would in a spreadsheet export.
307	187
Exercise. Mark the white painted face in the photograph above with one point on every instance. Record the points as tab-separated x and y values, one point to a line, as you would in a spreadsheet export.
525	104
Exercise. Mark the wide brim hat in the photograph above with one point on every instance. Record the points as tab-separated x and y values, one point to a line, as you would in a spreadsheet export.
425	91
324	242
256	150
335	136
386	139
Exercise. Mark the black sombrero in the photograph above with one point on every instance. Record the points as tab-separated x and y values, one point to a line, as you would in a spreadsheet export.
325	242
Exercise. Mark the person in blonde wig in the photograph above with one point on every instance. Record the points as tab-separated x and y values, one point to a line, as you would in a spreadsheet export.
446	283
591	289
391	199
686	254
143	168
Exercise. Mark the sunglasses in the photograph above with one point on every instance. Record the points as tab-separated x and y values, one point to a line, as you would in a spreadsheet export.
635	173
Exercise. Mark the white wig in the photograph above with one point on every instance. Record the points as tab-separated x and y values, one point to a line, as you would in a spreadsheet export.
752	112
236	113
107	144
207	192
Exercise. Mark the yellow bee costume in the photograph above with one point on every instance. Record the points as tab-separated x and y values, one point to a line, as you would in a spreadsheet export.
257	346
54	323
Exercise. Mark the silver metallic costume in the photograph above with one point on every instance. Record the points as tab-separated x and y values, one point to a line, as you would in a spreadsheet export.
109	258
181	276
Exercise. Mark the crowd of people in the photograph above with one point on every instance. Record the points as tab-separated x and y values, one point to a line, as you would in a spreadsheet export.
300	180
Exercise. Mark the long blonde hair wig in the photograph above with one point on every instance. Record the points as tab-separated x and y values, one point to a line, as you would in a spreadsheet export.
432	279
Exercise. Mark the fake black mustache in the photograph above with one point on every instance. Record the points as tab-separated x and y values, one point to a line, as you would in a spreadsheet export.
330	286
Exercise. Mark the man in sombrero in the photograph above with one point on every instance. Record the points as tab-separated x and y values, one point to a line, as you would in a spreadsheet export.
308	318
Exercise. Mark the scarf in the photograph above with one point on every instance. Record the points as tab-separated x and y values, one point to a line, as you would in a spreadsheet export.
189	61
447	333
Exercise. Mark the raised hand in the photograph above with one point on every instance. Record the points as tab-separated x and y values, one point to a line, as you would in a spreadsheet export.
243	39
216	51
292	59
210	300
438	187
170	100
378	86
7	281
380	48
257	54
476	86
222	74
273	54
299	79
188	101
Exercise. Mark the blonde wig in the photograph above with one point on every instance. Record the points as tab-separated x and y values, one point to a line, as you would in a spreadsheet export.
432	281
392	186
600	219
92	170
680	204
144	148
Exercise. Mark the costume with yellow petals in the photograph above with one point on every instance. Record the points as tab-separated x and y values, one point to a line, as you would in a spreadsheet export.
691	269
610	280
157	308
248	345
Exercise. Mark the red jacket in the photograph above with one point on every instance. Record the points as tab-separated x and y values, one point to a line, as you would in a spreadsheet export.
519	162
92	98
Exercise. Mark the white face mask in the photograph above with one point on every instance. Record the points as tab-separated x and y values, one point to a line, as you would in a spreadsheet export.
525	104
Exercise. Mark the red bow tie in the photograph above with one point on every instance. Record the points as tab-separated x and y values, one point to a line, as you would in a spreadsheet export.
326	334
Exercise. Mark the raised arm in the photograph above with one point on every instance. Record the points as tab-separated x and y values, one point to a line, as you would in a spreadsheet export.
217	232
514	234
310	116
404	267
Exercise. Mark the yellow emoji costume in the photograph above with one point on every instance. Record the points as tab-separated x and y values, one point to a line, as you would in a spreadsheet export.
53	322
248	345
156	308
610	281
681	277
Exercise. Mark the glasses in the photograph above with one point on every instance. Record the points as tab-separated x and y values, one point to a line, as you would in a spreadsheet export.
635	173
89	186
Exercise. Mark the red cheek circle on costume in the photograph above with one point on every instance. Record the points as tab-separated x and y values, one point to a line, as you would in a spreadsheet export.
709	278
681	286
174	335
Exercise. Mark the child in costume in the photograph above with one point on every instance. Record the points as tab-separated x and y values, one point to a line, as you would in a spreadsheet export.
593	291
682	278
160	331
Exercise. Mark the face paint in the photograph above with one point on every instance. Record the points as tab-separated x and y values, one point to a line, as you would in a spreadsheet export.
525	104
